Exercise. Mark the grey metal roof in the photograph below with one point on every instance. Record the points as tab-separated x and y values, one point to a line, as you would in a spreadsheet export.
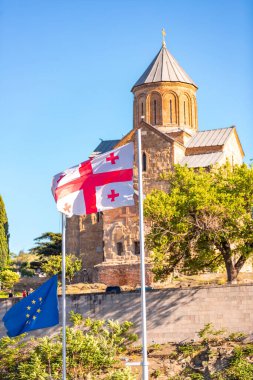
164	68
104	146
201	160
210	138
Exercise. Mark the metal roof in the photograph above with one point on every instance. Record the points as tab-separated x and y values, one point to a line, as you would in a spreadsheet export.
213	137
104	147
201	160
164	68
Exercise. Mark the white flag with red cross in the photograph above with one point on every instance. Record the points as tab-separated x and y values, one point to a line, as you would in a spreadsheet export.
102	183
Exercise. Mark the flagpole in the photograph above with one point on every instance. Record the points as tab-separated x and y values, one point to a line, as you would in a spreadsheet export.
142	256
63	296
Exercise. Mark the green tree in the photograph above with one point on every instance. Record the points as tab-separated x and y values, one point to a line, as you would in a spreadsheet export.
23	262
203	222
8	278
53	265
4	236
48	244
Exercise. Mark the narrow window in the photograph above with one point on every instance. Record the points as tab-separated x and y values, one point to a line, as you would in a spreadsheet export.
142	109
184	114
154	112
119	248
170	111
144	162
98	217
136	247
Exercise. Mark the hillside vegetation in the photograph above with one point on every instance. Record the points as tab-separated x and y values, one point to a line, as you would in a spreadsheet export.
101	350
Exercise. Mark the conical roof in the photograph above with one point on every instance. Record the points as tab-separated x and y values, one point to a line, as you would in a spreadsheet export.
164	68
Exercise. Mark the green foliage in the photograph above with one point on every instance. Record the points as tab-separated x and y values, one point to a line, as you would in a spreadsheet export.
23	262
75	318
203	222
4	236
48	244
92	348
53	265
8	278
237	336
239	366
155	374
208	333
195	376
33	370
188	349
119	334
121	374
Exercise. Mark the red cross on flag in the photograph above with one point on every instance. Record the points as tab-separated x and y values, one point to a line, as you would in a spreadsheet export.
102	183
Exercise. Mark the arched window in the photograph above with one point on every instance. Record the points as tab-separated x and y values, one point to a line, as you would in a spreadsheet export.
144	162
141	109
136	247
155	112
170	111
119	248
186	110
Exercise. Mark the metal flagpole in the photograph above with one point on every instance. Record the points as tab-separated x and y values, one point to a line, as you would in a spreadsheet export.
142	255
63	297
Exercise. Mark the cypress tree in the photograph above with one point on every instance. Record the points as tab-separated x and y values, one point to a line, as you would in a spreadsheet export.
4	236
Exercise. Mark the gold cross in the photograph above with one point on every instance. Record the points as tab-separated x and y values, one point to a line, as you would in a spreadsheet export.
163	34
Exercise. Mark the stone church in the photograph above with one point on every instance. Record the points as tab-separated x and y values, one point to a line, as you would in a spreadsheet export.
165	108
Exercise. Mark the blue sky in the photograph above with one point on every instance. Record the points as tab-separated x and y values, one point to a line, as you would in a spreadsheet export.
66	71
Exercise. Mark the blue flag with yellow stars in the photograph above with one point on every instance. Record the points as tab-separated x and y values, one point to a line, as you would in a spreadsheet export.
36	311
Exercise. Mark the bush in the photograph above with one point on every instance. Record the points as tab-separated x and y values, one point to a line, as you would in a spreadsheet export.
92	347
8	278
121	374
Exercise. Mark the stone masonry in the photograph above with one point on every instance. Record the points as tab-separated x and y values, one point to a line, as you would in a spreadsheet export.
173	315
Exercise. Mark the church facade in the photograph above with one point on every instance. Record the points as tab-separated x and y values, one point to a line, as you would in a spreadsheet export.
165	108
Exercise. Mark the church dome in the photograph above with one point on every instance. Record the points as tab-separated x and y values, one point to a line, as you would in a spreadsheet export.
164	68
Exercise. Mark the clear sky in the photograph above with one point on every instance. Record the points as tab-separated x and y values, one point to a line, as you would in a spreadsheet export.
66	71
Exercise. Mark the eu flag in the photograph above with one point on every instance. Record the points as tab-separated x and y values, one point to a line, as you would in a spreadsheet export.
37	311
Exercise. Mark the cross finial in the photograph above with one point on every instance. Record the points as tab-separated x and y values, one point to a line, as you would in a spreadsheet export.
163	34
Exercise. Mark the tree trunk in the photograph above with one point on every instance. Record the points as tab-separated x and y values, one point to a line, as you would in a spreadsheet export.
232	270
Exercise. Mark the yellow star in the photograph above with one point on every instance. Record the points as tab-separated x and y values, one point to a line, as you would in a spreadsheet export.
28	307
27	315
40	299
33	302
34	317
38	310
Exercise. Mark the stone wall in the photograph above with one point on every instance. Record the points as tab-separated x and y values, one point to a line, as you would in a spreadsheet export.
121	274
172	314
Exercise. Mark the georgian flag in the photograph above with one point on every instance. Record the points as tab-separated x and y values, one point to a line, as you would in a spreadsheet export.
102	183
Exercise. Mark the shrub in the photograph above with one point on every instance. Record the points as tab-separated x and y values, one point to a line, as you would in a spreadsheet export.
8	278
92	347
